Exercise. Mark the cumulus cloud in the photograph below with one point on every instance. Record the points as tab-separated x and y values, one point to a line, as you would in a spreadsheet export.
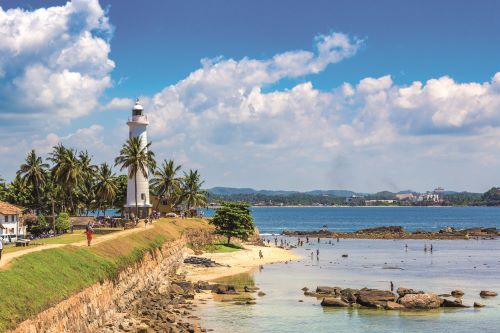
54	62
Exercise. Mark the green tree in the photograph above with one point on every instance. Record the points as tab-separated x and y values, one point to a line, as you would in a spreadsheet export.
37	226
165	183
3	189
233	219
121	192
34	172
106	186
192	194
137	159
63	223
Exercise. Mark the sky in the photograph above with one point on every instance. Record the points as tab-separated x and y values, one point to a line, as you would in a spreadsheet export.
291	95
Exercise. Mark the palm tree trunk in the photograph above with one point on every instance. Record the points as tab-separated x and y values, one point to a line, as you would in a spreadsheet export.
135	190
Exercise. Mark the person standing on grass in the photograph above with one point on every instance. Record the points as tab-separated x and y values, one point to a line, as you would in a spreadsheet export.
89	232
1	247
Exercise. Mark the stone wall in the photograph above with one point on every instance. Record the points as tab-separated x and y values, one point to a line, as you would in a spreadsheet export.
91	308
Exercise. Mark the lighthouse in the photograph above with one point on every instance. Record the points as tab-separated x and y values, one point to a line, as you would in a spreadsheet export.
137	125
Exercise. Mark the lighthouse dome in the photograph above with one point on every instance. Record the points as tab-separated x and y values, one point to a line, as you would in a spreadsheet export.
137	109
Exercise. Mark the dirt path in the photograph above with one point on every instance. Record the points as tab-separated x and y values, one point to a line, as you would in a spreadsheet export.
8	257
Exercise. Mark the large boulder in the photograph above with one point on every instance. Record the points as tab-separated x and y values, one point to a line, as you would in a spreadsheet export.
328	290
349	295
456	303
334	302
420	301
224	289
487	293
375	298
457	293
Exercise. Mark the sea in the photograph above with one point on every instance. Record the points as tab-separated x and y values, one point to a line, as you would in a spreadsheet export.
469	265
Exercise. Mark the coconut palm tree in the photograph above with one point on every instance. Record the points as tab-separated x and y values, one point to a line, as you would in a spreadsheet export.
166	184
137	159
67	173
193	195
107	186
34	172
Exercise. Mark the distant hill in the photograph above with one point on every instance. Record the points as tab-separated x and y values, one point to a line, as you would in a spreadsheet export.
239	191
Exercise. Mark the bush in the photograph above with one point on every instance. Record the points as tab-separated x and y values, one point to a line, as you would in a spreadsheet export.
37	226
63	223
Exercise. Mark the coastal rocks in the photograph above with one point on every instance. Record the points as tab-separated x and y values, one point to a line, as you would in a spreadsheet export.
478	305
349	295
487	293
200	261
457	293
374	298
401	291
328	290
393	306
334	302
224	289
420	301
456	303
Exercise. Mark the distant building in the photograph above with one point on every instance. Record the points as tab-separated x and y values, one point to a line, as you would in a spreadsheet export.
355	200
405	197
429	197
11	221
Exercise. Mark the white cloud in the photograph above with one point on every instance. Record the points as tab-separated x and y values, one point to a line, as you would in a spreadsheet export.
54	63
118	104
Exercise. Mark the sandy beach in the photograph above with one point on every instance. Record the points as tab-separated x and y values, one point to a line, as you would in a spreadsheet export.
239	262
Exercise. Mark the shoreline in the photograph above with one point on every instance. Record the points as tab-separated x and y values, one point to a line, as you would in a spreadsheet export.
237	262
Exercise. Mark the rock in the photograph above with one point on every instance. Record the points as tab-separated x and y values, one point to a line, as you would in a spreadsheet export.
487	293
176	289
305	289
349	295
345	255
404	291
457	293
328	290
375	298
456	303
478	305
260	294
444	295
393	306
251	302
224	289
420	301
334	302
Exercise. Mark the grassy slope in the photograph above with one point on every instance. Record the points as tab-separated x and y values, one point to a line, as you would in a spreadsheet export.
222	247
38	280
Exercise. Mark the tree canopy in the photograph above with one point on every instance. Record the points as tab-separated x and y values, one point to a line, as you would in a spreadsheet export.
233	219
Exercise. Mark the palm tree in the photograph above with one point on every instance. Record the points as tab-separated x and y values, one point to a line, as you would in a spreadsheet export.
137	159
67	173
34	172
193	195
165	184
106	186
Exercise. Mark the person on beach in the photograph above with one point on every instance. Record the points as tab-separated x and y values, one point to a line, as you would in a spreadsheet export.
317	253
406	247
392	286
89	232
307	239
425	247
1	247
260	254
318	240
431	248
338	239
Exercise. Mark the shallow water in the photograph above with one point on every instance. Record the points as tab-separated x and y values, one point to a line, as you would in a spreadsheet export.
468	265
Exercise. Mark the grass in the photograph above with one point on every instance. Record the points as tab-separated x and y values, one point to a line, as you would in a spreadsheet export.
38	280
222	247
13	248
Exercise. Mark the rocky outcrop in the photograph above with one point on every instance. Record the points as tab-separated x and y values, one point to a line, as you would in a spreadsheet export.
94	307
420	301
374	298
334	302
487	293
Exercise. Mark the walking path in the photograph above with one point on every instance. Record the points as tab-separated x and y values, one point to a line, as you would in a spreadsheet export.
8	257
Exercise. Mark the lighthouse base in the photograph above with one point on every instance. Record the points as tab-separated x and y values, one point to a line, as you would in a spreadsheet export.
141	212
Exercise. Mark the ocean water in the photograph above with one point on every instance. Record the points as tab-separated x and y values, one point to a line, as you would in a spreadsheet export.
273	220
471	266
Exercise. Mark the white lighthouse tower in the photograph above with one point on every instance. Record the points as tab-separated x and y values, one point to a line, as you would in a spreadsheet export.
137	128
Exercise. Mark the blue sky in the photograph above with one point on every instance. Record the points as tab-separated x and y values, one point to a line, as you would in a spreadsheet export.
362	129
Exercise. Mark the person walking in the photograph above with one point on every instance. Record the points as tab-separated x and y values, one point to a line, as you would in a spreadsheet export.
90	233
1	247
260	254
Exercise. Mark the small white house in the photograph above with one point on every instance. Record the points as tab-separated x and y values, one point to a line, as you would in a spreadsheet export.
10	221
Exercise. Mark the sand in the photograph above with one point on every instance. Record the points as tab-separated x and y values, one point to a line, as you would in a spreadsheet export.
239	262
